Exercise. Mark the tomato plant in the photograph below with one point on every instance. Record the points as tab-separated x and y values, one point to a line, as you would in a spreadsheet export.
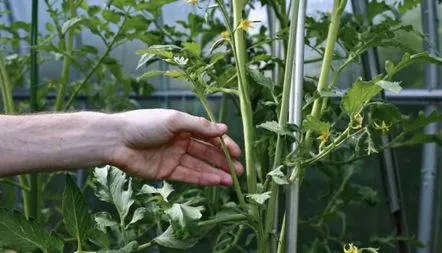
217	52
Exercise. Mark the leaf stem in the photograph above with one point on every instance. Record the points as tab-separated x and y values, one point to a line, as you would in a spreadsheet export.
146	245
65	74
223	219
236	184
95	67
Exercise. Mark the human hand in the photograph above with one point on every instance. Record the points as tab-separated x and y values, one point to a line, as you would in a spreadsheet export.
168	144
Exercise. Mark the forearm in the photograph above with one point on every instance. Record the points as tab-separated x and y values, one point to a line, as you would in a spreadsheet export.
55	141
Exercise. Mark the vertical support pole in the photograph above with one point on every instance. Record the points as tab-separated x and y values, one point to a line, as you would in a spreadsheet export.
35	198
430	151
295	117
387	159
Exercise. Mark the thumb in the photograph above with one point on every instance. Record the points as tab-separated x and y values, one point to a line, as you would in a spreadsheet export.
184	122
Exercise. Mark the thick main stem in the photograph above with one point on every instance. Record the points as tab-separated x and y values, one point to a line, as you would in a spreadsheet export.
283	117
65	74
245	104
338	7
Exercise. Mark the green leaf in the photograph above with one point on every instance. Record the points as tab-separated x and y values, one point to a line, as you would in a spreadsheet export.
406	5
152	73
176	73
384	112
111	16
193	48
278	176
183	217
217	57
259	198
70	24
260	79
164	191
138	215
169	239
144	59
76	215
112	182
104	220
421	121
313	124
129	248
26	235
420	138
273	126
390	86
361	93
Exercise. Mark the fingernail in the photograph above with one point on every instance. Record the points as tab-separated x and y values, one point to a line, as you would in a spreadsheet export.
227	181
221	127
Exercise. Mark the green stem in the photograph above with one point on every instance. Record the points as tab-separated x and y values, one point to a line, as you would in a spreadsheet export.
236	184
13	183
282	237
245	104
65	74
223	219
146	246
283	117
95	67
35	199
338	7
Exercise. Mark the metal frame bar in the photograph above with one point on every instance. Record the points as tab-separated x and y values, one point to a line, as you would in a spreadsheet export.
387	159
430	151
295	117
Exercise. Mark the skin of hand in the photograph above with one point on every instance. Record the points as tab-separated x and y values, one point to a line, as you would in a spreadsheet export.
168	144
151	144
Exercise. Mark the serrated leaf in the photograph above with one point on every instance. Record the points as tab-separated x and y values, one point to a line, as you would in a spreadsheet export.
138	215
193	48
361	93
164	191
259	198
421	120
76	215
26	235
168	239
176	73
183	217
260	79
313	124
152	73
129	248
112	182
390	86
278	176
217	57
406	5
384	112
144	59
69	24
273	126
103	220
111	16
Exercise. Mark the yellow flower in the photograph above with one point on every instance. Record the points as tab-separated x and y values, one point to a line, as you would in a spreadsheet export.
350	248
192	1
225	35
323	138
357	121
383	127
245	25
